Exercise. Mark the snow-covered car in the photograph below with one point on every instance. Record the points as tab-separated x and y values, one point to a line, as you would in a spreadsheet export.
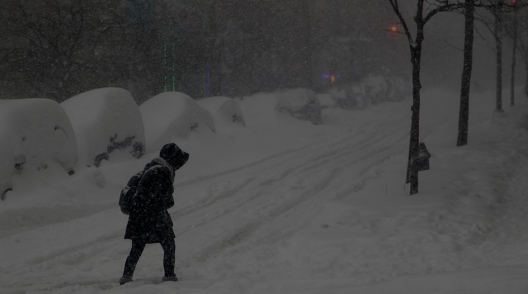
223	109
34	132
348	96
104	120
170	115
375	89
301	104
326	100
397	88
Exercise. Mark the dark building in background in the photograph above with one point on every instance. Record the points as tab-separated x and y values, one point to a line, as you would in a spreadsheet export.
199	47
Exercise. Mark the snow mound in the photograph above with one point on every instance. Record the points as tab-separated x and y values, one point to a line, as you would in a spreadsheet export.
104	120
259	110
172	114
326	100
370	90
349	97
34	132
397	88
301	104
223	109
375	89
356	93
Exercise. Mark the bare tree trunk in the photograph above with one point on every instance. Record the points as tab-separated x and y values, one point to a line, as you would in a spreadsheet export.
416	57
412	170
463	117
415	47
498	48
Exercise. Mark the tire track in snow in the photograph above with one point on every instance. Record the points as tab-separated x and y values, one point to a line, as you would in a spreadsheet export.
370	158
272	167
269	174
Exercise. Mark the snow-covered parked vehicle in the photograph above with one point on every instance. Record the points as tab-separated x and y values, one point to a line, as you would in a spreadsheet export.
326	100
374	89
34	132
301	104
397	88
223	109
351	96
170	115
105	120
356	93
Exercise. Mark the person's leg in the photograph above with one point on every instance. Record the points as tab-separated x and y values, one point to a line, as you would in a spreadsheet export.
138	245
169	256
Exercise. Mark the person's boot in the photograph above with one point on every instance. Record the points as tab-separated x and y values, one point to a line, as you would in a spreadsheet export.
169	278
125	279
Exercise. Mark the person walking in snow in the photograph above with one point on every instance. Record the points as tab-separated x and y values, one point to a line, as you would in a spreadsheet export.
149	221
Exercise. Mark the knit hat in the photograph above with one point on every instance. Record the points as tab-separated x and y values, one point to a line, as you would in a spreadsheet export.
174	155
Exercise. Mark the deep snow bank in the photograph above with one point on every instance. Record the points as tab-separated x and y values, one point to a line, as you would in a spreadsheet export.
32	133
224	110
301	104
170	115
283	108
104	120
374	89
370	90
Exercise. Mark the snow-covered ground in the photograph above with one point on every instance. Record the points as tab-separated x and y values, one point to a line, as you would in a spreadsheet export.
284	206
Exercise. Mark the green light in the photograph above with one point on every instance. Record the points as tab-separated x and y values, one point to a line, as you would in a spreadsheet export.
165	66
166	85
173	67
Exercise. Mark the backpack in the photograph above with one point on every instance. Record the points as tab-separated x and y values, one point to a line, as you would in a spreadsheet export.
128	192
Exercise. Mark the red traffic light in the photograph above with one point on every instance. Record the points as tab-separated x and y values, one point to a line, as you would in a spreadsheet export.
394	28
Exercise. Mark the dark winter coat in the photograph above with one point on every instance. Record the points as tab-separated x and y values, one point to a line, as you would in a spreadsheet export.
149	216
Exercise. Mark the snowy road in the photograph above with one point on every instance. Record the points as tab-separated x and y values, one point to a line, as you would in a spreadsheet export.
223	215
328	214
